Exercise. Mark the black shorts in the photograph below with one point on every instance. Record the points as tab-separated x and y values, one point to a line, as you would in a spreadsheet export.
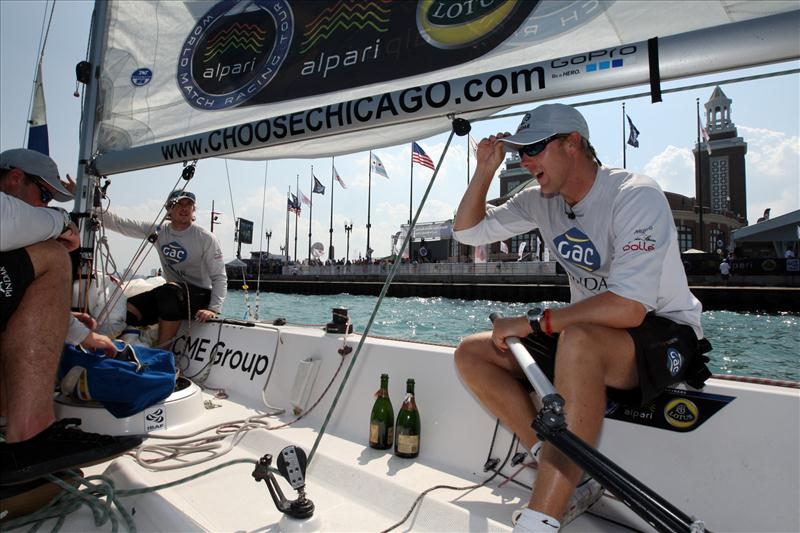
666	353
16	274
171	301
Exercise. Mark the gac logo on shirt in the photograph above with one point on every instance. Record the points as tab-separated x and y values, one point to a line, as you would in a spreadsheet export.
574	246
174	252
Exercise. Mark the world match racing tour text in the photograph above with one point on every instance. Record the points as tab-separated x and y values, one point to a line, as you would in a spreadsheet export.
364	110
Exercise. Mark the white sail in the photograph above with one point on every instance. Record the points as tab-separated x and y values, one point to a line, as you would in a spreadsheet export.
258	79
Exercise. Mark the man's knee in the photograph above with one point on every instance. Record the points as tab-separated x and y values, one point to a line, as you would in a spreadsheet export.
577	342
49	257
470	350
171	300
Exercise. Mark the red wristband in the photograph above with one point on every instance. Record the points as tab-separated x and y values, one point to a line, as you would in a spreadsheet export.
547	328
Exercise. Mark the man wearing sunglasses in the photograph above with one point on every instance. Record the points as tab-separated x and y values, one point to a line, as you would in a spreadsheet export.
35	321
632	326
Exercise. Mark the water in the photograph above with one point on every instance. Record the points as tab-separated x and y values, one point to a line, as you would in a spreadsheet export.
745	344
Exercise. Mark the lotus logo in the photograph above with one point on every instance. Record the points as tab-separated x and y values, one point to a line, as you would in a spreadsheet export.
234	51
575	247
462	23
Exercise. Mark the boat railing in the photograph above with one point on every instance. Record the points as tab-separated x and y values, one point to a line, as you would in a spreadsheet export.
511	268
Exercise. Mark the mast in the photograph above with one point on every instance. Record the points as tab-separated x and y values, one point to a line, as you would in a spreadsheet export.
296	216
624	143
84	194
411	185
286	247
330	229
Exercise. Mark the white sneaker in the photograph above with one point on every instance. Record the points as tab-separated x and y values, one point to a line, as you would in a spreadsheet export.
585	495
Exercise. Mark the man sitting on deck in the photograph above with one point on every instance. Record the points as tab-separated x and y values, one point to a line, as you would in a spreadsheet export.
632	326
192	262
35	288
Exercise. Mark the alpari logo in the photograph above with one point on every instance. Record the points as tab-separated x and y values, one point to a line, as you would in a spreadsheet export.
234	51
346	16
575	247
450	24
681	413
174	252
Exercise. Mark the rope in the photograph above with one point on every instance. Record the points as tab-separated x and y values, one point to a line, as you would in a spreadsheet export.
382	295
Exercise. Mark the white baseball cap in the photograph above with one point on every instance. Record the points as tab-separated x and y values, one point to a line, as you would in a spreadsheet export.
545	121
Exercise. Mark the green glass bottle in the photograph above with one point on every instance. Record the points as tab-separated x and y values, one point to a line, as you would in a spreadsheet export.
407	429
381	421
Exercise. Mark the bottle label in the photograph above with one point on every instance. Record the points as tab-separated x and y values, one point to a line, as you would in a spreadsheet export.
375	435
408	443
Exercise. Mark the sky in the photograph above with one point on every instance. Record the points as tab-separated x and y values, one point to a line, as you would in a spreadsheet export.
766	113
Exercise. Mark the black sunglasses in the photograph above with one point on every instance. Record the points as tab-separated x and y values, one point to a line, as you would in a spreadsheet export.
532	150
45	194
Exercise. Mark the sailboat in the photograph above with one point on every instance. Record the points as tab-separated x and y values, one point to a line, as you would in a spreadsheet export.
177	81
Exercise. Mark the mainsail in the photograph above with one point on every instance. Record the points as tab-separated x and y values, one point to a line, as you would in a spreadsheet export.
272	79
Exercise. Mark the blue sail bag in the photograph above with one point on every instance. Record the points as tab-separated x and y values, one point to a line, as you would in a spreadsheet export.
133	381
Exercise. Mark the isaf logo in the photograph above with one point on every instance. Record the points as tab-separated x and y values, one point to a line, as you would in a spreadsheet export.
234	51
575	247
174	252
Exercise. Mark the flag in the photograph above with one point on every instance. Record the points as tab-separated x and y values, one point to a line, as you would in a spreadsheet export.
473	146
633	136
706	138
521	250
766	215
377	166
338	178
305	199
480	253
418	155
292	204
319	188
503	247
37	132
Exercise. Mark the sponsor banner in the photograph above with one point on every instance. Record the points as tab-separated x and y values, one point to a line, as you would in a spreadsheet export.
674	410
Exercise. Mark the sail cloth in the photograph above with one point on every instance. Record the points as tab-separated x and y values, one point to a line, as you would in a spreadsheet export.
37	133
266	79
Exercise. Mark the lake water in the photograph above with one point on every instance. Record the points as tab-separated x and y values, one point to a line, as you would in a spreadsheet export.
745	344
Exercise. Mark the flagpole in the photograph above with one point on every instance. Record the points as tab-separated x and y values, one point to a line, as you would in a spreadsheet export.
468	150
369	204
624	147
411	185
296	216
310	211
286	248
330	229
699	178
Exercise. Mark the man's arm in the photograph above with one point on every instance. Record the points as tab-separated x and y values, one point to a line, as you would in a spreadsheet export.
215	265
472	208
24	224
127	226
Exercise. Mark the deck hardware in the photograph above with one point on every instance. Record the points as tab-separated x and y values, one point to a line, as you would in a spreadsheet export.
292	466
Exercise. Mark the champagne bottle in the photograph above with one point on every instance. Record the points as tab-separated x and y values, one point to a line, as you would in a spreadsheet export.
407	430
381	421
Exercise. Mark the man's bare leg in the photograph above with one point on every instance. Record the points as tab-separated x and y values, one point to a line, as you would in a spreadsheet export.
492	376
167	329
589	359
31	345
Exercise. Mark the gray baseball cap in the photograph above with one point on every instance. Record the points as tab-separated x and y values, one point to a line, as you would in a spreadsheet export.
177	195
36	164
545	121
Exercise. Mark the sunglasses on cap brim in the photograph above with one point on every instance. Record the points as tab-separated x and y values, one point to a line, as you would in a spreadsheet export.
532	150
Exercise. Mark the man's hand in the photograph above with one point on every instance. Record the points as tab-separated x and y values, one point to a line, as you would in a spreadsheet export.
70	238
203	315
509	327
491	152
85	319
96	341
70	185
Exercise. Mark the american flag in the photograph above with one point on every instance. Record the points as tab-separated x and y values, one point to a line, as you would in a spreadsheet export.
418	155
473	146
292	204
338	178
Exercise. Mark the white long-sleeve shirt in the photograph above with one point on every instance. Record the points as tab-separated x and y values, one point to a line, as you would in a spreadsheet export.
21	225
192	255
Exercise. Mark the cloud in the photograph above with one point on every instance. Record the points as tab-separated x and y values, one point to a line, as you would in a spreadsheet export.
673	169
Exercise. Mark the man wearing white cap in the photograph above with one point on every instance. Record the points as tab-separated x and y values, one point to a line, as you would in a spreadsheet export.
34	323
192	263
632	326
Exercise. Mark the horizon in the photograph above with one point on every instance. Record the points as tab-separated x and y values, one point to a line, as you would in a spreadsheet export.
766	113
